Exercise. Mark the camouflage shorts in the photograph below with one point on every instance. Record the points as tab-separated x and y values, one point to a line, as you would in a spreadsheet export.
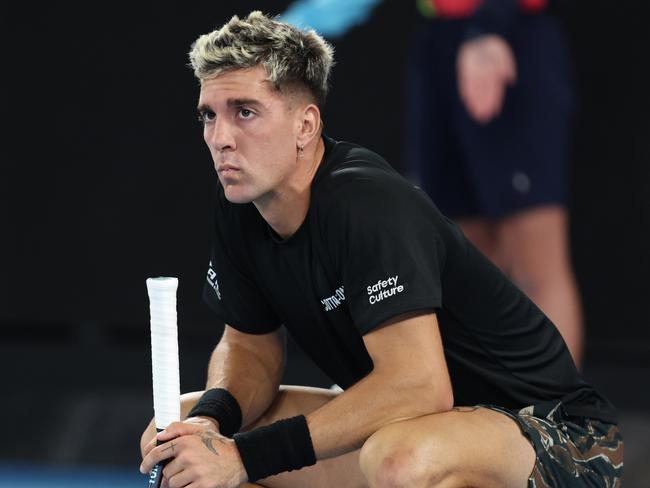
571	451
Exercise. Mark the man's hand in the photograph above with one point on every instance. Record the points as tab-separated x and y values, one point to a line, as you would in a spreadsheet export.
200	424
201	457
486	66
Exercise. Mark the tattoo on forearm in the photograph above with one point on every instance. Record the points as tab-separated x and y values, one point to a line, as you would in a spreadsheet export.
207	437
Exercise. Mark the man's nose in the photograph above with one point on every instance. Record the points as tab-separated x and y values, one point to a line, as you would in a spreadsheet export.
221	137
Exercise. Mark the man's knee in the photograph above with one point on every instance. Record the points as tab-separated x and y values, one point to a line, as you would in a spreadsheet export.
391	458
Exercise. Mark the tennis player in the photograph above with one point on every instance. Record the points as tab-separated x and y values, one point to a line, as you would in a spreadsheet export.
451	376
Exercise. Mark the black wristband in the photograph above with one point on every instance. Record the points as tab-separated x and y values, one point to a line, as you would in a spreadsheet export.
284	445
219	404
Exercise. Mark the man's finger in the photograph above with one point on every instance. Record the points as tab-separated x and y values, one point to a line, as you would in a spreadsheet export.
158	454
178	429
150	445
181	478
173	468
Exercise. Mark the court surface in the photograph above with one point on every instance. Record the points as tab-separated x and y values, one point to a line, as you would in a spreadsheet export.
31	476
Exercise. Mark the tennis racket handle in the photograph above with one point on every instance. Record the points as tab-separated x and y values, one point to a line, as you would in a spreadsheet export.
156	473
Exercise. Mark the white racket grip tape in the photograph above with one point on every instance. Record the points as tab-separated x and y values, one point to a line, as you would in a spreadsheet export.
164	350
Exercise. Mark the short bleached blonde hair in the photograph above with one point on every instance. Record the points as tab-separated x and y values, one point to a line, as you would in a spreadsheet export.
294	59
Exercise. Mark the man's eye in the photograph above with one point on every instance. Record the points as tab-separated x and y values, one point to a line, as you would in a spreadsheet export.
245	113
206	116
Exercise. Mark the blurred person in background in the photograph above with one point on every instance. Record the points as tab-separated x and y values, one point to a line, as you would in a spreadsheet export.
490	105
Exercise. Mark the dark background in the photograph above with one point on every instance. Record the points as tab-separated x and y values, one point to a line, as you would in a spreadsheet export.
105	181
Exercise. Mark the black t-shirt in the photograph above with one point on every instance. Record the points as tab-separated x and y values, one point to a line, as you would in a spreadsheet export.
374	246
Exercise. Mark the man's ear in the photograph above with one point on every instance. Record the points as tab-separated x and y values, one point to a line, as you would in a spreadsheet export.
309	125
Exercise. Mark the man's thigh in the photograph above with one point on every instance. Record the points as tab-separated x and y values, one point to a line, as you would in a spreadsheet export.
340	472
470	446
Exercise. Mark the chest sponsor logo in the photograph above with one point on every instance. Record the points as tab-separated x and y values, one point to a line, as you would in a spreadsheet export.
384	289
212	280
334	301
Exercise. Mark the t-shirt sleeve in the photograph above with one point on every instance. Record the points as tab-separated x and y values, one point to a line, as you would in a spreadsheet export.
385	242
230	291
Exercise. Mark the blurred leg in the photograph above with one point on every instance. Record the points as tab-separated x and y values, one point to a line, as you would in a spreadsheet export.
482	233
536	247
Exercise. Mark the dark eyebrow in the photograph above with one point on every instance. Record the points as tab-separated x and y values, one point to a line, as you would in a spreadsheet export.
238	102
233	102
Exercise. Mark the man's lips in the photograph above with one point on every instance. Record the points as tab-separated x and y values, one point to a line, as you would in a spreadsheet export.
226	169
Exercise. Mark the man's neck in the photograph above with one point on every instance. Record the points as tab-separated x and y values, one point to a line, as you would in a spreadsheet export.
286	209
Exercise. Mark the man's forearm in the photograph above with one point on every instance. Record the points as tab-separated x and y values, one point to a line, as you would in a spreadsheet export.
250	368
346	422
409	379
